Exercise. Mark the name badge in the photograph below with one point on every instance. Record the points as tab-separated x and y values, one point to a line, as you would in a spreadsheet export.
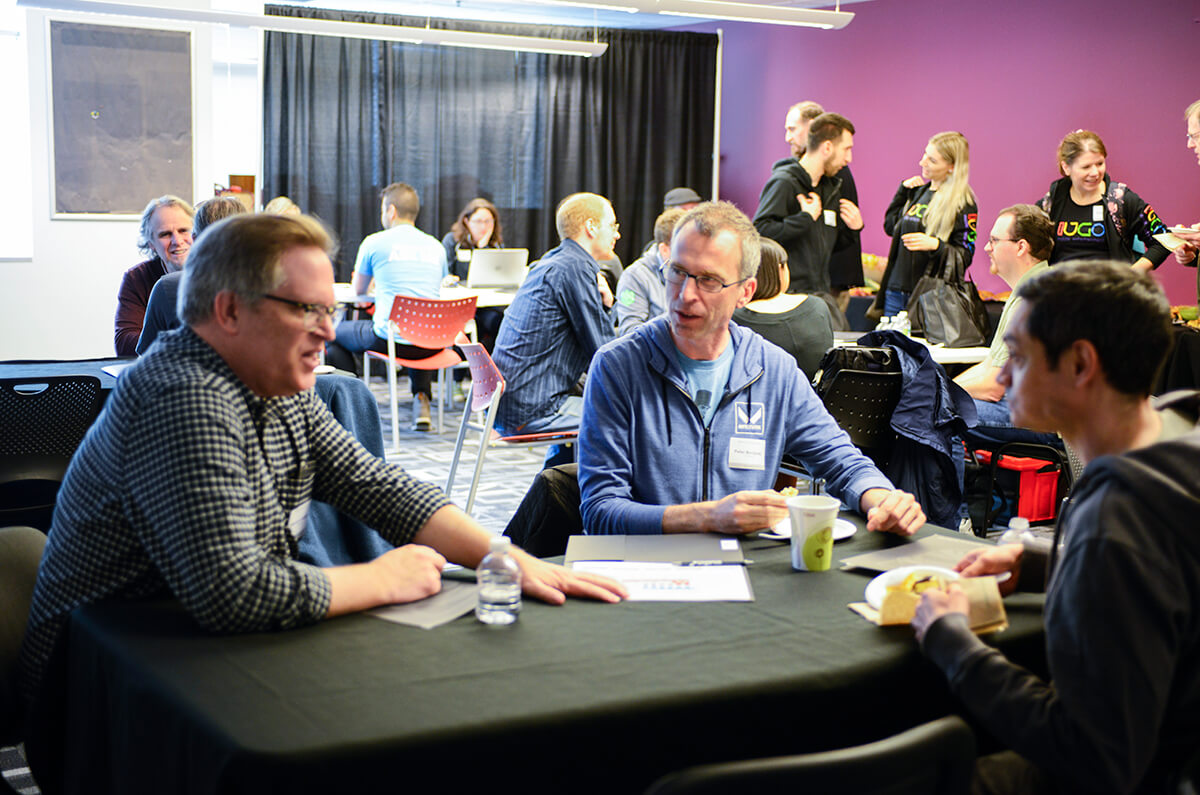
298	519
747	453
1097	212
830	218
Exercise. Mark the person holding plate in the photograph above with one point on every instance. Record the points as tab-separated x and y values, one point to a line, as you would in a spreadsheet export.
1121	577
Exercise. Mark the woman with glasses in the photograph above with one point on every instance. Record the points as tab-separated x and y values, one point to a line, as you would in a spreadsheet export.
930	215
797	322
477	226
1095	217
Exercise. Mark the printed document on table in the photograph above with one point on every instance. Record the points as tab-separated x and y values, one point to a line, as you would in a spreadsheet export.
672	582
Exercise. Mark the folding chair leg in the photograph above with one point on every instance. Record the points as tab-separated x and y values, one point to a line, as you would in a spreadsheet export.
485	439
395	407
458	444
366	369
441	397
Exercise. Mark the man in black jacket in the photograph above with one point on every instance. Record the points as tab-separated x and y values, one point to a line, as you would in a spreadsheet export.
1122	629
802	207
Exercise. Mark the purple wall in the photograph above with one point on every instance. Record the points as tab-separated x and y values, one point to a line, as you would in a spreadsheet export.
1013	77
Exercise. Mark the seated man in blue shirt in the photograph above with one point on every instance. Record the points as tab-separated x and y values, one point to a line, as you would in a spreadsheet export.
558	319
197	478
401	260
686	419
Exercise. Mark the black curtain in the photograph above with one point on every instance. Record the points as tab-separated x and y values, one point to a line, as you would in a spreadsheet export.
345	117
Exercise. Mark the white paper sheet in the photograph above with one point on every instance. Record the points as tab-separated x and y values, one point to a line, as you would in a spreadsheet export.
672	582
456	598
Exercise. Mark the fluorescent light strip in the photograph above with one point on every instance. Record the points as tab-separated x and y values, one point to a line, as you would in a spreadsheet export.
581	4
325	27
751	12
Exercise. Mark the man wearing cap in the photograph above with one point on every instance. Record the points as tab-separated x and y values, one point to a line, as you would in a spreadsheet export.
681	197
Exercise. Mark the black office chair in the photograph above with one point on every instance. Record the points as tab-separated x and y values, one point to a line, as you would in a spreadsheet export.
43	421
20	555
549	514
934	758
860	388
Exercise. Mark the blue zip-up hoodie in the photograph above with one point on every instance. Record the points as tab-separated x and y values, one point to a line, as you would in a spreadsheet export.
642	444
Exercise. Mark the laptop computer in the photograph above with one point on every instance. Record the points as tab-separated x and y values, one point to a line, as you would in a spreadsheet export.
497	268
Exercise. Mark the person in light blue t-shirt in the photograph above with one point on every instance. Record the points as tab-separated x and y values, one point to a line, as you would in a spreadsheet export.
685	419
402	260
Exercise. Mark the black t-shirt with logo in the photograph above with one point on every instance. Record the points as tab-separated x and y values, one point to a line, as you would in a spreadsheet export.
1080	233
910	265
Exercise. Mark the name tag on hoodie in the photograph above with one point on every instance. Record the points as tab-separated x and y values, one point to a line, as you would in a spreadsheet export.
830	218
747	453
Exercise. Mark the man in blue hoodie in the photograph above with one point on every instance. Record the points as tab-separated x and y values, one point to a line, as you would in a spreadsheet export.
686	419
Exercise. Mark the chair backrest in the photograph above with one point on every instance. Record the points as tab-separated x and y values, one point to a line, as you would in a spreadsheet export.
862	402
20	555
431	322
934	758
46	416
486	380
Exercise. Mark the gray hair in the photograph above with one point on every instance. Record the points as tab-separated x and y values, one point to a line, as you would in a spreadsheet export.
710	218
145	233
242	254
212	210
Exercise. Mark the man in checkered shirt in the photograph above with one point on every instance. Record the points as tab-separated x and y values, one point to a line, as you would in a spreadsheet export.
196	478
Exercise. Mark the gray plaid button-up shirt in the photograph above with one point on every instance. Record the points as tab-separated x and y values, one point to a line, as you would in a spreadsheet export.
185	484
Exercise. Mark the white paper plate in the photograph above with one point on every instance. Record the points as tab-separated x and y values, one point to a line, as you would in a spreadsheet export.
877	588
842	528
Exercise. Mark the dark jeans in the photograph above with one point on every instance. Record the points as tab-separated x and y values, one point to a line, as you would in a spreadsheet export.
356	336
995	427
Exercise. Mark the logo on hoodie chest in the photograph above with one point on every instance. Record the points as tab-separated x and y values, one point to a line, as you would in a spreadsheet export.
748	418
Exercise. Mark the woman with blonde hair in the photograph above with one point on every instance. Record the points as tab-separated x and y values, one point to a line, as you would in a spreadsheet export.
930	214
1095	217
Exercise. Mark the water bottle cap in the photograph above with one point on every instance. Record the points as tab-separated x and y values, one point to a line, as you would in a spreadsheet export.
499	544
1018	523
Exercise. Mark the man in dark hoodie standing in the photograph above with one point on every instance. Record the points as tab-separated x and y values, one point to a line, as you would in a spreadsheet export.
1122	636
802	207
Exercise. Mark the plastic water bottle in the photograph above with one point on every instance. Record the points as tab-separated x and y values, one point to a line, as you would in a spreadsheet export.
499	579
1017	532
902	323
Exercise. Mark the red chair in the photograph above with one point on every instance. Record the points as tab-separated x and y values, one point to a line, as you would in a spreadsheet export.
487	385
426	323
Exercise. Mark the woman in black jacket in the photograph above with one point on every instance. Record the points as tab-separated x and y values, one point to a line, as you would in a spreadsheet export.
1095	217
929	214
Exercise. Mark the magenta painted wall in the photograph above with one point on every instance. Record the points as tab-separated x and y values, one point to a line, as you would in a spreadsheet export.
1013	77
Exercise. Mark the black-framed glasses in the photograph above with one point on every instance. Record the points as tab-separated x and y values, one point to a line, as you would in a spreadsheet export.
709	284
314	314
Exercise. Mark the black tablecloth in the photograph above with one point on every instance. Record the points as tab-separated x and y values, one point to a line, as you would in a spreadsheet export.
587	696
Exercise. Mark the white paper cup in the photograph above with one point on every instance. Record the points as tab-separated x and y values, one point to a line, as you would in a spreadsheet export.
812	531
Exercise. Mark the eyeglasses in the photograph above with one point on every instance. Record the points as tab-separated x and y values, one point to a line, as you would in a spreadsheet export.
709	284
994	240
1193	137
314	314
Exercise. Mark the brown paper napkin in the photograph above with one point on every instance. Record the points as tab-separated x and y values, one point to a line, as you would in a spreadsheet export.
985	611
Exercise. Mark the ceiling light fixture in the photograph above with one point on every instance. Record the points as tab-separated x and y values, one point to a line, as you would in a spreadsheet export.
327	27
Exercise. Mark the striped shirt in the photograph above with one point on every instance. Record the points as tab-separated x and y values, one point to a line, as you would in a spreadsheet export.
556	322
